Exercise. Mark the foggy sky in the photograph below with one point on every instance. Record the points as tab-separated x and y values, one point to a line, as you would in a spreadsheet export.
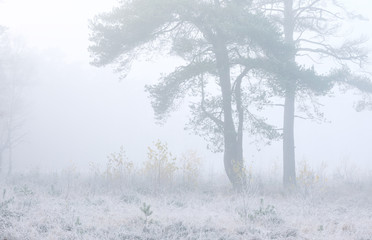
79	114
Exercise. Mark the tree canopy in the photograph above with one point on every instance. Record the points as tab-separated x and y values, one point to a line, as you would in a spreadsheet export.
235	58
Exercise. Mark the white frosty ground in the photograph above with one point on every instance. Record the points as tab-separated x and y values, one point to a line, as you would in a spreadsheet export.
55	207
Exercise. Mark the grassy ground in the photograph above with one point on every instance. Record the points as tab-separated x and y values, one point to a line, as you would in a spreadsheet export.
61	207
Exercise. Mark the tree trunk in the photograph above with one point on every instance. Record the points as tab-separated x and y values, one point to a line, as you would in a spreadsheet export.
10	160
289	164
233	149
1	163
289	161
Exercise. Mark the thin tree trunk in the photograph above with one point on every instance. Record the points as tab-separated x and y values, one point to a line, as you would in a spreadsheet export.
10	160
239	107
289	161
1	163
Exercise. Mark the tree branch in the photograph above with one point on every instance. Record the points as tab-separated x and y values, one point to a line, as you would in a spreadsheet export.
238	96
217	121
304	118
300	10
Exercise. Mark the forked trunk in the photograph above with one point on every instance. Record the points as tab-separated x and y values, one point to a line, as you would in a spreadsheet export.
233	150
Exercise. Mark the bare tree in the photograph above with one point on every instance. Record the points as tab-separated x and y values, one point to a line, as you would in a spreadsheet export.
13	70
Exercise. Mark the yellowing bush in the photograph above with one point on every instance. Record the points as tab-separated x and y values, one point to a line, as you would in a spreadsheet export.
118	166
190	167
160	165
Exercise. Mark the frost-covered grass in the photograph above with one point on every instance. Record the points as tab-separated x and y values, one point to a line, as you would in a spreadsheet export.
73	207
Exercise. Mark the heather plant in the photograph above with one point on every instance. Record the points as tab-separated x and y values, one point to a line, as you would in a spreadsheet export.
160	166
264	212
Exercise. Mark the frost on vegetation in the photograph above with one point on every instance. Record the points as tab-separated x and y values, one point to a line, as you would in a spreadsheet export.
190	167
30	211
160	166
118	170
119	167
165	198
263	212
309	180
147	212
161	170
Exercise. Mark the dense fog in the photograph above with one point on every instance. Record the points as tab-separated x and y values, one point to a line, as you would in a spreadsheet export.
69	114
77	113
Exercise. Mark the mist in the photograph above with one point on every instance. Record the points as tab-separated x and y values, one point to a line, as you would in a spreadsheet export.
70	113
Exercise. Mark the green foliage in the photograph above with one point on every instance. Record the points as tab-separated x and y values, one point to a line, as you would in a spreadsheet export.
160	165
202	125
263	212
172	88
191	29
222	43
126	29
147	212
